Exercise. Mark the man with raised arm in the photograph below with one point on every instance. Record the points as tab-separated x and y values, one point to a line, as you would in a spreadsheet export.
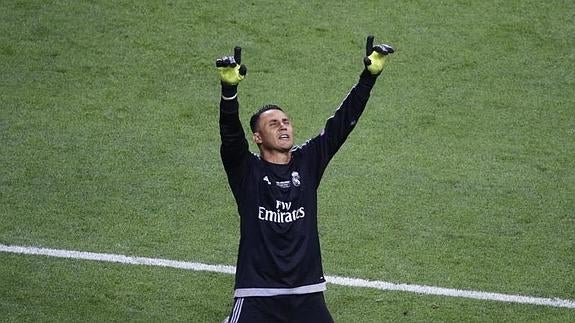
279	275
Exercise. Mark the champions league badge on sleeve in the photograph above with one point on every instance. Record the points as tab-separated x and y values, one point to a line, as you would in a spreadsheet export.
295	179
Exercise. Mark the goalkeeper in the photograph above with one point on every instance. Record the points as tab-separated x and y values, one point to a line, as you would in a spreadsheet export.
279	275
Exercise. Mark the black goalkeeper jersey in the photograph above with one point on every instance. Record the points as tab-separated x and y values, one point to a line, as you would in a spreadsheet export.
279	249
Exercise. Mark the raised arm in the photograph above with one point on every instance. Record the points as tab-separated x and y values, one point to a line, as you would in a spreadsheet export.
234	149
340	125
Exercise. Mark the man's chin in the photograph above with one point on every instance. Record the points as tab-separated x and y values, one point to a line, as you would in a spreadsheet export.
286	147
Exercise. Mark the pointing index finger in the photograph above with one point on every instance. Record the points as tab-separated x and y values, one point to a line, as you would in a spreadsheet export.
238	54
369	45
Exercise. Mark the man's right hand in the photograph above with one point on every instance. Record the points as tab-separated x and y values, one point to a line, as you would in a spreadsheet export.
230	69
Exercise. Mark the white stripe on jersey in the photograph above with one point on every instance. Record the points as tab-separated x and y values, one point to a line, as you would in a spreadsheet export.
267	292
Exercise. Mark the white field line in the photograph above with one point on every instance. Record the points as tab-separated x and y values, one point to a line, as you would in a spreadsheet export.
344	281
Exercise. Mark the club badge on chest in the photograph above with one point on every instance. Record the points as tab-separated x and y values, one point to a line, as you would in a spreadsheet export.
295	179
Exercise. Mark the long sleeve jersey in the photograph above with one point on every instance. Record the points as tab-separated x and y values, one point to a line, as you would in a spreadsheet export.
279	248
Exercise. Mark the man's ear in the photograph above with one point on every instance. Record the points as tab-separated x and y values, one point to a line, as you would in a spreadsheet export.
257	138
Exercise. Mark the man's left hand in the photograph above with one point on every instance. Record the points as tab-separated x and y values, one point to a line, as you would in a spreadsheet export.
375	56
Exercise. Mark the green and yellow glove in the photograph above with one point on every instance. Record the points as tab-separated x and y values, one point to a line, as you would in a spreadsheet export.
375	56
230	69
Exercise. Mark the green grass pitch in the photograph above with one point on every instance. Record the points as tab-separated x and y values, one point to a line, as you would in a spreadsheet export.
460	174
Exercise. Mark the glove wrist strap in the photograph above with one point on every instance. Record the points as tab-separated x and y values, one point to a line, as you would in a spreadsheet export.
229	92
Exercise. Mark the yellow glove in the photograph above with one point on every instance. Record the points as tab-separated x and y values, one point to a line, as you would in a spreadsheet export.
230	69
375	56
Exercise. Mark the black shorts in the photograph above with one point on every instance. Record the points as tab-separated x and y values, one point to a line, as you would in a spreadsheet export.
281	309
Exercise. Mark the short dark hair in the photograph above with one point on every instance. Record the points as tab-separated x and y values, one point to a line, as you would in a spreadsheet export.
256	116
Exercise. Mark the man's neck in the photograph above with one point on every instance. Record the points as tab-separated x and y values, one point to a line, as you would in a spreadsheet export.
276	157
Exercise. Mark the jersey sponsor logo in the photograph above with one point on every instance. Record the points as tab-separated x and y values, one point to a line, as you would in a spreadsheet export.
282	214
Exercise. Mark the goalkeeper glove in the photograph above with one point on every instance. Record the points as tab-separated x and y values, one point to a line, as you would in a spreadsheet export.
375	56
230	69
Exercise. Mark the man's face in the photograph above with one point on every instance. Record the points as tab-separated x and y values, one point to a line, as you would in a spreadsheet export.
274	131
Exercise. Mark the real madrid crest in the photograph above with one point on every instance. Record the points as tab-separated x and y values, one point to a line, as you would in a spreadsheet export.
295	179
